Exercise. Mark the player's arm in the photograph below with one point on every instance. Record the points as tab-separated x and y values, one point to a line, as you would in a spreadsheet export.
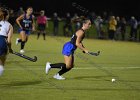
33	24
78	41
9	39
18	20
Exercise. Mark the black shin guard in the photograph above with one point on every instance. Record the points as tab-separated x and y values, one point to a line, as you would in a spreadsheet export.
63	70
58	65
19	40
38	35
62	66
22	44
44	35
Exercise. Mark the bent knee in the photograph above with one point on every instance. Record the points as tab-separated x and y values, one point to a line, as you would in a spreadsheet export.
69	66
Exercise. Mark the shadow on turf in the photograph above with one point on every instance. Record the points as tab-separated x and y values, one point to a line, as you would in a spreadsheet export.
21	83
17	61
100	89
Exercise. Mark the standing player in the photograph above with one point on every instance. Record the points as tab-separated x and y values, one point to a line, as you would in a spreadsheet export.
6	32
41	22
26	25
68	51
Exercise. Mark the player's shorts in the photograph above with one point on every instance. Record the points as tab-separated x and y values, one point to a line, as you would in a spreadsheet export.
3	46
27	32
41	27
68	49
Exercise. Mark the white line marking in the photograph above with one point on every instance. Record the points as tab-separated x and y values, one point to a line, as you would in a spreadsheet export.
109	68
76	68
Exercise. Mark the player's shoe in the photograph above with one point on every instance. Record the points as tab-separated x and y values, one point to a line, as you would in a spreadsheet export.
58	77
48	67
17	41
22	51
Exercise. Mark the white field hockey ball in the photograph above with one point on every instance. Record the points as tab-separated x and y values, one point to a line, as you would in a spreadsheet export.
113	80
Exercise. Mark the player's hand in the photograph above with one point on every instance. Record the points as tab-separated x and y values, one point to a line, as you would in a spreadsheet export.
85	51
21	27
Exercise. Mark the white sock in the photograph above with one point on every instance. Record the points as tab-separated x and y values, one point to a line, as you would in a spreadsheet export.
1	70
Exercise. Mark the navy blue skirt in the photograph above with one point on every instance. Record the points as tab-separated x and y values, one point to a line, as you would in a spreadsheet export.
3	46
68	49
27	32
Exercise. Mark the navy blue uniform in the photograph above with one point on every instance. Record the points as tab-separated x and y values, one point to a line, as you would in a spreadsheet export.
26	24
70	47
4	29
3	45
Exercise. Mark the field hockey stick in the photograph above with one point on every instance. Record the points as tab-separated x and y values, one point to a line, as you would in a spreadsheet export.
25	57
94	53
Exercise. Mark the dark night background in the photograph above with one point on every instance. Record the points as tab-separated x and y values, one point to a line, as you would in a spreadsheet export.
117	7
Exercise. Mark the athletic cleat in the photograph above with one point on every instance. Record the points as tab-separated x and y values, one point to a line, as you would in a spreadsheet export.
48	67
22	51
58	77
17	41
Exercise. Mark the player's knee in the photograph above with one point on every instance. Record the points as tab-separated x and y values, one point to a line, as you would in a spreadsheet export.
69	66
23	42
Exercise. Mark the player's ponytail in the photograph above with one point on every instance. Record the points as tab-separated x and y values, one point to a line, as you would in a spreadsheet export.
78	19
81	19
85	20
3	13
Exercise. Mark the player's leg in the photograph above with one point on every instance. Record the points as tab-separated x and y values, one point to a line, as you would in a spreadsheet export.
44	35
23	40
39	31
27	34
18	40
44	31
65	68
56	65
2	61
68	64
27	38
38	34
3	53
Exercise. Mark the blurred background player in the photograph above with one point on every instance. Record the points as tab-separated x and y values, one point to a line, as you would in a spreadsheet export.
6	32
77	24
68	51
67	28
20	11
41	23
56	20
26	25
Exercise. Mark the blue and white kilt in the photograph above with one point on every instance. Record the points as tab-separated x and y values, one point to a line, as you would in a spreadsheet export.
68	49
3	46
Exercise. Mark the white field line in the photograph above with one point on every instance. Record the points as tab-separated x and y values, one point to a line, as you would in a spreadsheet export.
76	68
109	68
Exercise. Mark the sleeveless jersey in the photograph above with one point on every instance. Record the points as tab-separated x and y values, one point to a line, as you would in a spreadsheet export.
4	28
74	37
26	23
